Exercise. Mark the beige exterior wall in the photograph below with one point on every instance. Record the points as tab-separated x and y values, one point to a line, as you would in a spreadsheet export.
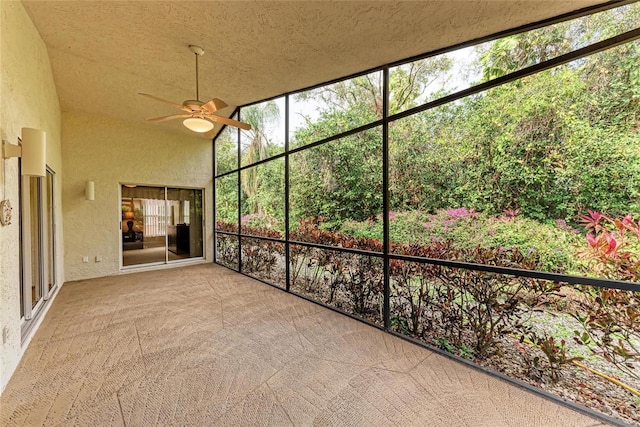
98	149
110	152
28	99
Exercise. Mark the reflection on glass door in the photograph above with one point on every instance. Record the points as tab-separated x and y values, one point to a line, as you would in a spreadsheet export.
143	225
49	236
184	232
35	235
160	224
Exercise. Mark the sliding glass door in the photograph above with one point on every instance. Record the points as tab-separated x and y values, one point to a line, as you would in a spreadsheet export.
37	241
143	225
184	231
160	224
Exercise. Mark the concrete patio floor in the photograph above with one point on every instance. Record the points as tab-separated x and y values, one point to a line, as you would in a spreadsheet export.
202	345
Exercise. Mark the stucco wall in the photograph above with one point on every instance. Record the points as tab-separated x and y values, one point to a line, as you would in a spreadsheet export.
28	98
109	152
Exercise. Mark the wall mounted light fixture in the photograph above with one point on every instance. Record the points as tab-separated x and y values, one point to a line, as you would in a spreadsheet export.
32	150
90	190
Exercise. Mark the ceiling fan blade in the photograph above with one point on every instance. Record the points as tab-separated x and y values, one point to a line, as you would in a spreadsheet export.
161	100
171	117
214	105
229	122
210	134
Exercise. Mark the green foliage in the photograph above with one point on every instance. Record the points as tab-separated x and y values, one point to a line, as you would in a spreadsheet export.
227	198
551	145
268	198
342	106
554	246
409	82
226	148
259	116
253	221
338	180
444	344
521	50
419	147
310	231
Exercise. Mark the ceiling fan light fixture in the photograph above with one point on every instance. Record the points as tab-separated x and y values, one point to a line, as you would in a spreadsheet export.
197	124
198	115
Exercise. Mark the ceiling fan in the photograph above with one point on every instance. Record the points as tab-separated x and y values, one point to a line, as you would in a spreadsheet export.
198	116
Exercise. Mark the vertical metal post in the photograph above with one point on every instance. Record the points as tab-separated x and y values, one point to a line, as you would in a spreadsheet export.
239	200
385	196
215	185
167	215
286	194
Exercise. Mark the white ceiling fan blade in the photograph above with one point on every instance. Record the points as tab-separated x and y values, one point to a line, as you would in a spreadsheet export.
229	122
161	100
171	117
214	105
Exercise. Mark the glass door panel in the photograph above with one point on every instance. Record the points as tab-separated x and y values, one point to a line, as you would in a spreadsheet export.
35	234
184	231
37	241
144	225
50	237
161	224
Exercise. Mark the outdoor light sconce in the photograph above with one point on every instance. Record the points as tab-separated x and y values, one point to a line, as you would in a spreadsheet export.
90	190
32	150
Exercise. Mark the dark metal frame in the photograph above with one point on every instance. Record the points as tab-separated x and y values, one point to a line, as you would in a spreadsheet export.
383	123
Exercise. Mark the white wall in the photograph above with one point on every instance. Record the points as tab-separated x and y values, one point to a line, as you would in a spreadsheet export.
109	152
28	98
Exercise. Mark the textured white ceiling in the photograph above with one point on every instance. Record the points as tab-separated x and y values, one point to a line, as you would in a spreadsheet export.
104	52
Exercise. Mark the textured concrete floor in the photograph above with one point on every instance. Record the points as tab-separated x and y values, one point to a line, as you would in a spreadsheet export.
202	345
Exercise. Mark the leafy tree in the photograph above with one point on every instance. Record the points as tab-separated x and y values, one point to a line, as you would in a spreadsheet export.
339	180
227	198
226	150
553	144
343	180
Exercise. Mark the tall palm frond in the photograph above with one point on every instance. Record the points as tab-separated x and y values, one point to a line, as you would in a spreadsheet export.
258	116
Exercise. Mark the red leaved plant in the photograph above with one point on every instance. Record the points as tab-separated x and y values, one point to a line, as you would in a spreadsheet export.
613	246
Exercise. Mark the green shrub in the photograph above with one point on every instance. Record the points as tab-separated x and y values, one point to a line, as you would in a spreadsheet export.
262	221
554	245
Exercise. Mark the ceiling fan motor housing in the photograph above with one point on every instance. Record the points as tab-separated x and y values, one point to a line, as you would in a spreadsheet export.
193	104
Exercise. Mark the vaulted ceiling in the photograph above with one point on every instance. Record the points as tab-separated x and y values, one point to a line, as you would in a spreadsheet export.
104	52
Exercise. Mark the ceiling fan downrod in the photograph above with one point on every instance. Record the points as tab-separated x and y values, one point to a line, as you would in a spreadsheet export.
198	51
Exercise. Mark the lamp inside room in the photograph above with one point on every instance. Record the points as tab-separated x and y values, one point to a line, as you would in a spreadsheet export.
197	124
